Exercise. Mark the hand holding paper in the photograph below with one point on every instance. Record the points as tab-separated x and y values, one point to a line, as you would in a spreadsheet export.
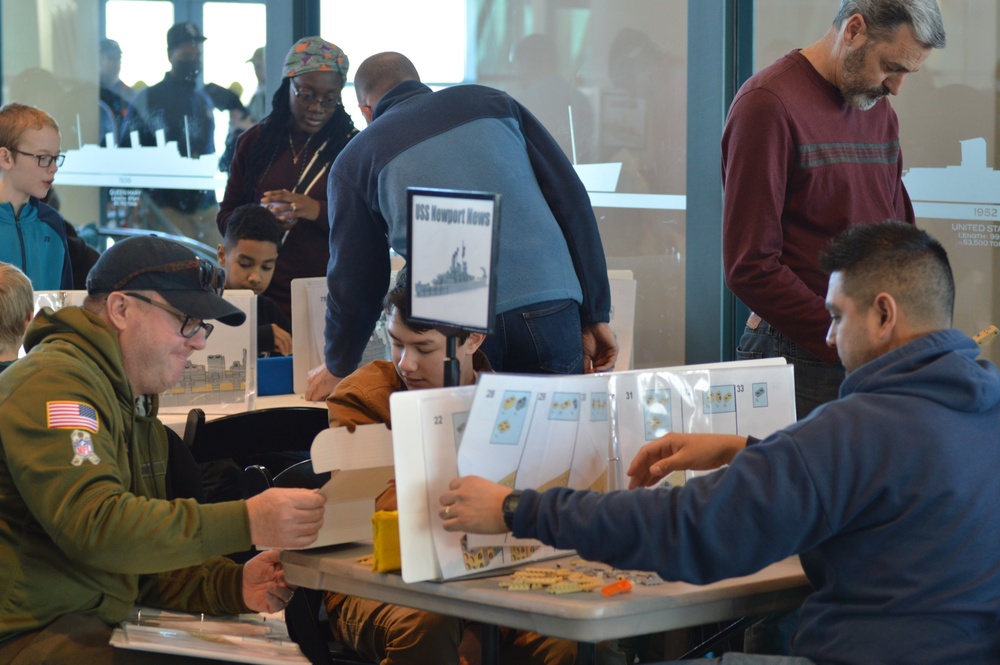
474	505
285	518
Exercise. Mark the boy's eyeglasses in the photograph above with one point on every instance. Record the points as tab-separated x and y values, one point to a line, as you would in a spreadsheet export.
189	325
45	161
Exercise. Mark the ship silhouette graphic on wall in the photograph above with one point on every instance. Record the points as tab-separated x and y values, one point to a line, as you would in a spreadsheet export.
160	166
453	280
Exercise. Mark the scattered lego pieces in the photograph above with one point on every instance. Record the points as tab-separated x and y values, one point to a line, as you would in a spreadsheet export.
580	576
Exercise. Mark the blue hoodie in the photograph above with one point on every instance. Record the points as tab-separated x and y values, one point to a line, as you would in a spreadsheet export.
35	242
888	494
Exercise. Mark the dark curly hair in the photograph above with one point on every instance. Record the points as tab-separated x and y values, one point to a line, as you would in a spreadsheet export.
273	138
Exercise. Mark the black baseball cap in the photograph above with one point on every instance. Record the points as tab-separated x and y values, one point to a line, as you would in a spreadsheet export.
181	33
149	263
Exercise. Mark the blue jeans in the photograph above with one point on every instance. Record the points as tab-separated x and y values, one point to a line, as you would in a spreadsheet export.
543	338
815	382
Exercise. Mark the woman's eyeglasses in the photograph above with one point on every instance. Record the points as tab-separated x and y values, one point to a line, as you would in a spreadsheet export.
308	98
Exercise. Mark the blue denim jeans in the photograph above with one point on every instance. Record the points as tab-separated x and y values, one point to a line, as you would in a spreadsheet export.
815	382
544	338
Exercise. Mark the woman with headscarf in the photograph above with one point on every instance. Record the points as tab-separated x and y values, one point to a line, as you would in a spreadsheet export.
282	162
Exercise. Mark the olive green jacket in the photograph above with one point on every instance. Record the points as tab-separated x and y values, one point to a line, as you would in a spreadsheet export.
84	525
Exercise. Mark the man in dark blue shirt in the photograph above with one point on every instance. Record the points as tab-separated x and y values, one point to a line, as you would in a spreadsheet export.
183	110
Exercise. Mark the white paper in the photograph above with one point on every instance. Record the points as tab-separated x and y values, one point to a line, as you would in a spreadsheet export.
242	639
361	467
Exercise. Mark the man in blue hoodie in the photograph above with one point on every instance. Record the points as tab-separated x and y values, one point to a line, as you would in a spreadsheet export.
888	494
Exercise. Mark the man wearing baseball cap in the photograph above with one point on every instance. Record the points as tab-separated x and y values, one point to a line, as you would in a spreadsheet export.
85	528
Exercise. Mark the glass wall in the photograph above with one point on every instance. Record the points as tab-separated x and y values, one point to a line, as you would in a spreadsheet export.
608	79
948	133
86	78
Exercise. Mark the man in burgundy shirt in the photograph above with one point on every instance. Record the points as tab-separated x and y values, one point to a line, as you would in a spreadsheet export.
811	146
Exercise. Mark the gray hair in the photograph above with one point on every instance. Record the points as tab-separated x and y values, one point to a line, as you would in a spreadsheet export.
883	17
17	303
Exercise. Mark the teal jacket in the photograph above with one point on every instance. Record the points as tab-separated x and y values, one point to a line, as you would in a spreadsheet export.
84	525
34	240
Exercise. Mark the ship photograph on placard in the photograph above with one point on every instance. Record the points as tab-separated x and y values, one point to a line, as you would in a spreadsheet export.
453	280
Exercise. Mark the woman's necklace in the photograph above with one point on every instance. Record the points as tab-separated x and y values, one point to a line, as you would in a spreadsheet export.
296	156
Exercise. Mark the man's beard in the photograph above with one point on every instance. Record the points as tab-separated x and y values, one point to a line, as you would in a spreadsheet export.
857	93
188	70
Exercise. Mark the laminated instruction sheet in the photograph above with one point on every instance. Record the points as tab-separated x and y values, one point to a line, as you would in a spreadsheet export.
537	432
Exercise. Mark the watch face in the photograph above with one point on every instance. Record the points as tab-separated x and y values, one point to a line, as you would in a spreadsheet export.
510	508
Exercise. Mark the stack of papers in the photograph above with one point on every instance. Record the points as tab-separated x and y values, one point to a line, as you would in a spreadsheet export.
251	638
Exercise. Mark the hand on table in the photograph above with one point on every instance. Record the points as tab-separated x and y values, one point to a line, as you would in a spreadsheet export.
677	452
282	340
285	517
320	384
474	505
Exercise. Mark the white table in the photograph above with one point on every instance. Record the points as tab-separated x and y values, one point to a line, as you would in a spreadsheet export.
582	617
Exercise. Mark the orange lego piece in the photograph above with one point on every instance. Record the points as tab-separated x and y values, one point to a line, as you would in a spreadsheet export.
615	588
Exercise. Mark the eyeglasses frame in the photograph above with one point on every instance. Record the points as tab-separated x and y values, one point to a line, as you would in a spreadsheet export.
59	159
200	325
309	101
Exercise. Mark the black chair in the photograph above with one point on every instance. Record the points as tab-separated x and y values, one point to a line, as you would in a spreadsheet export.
183	479
203	442
305	615
257	478
273	438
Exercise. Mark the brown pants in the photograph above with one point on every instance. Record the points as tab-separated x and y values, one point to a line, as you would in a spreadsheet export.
395	635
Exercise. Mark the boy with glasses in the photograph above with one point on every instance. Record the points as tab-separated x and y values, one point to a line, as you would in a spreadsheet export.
32	234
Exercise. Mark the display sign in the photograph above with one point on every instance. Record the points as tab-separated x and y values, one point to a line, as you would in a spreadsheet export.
452	243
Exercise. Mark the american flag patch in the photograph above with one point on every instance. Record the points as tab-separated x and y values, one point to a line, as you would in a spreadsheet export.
74	415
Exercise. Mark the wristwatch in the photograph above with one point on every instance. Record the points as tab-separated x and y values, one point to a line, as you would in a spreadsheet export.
510	508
